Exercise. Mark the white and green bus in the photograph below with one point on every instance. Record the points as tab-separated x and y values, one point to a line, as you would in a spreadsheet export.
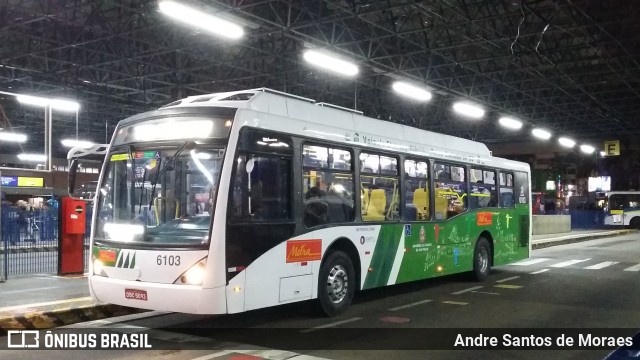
236	201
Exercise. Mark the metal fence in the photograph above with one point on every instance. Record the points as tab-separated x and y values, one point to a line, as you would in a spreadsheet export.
29	243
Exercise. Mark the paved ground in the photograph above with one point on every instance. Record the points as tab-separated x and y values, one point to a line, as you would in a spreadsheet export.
587	285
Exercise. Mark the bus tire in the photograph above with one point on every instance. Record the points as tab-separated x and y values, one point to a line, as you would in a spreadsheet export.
635	223
482	259
336	283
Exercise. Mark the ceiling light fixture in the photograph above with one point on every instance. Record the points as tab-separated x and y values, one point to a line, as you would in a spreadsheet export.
12	137
331	62
32	157
566	142
510	123
411	91
588	149
200	19
468	110
541	134
57	104
76	143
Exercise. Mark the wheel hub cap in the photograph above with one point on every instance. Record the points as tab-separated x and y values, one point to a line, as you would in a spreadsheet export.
337	284
483	259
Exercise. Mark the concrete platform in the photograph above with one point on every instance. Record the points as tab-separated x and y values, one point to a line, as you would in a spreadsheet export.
547	240
46	301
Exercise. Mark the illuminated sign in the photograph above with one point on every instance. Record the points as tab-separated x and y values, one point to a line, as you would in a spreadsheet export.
599	183
612	148
10	181
22	181
30	182
551	185
137	155
193	129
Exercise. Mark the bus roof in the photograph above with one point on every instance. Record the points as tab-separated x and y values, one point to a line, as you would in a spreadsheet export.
330	122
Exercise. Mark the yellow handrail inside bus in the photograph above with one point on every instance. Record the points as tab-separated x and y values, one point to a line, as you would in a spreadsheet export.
155	205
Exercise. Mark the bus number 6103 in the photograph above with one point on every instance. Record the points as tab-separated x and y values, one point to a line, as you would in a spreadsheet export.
170	260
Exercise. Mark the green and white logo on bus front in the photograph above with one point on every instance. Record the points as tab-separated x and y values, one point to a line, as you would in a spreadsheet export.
119	258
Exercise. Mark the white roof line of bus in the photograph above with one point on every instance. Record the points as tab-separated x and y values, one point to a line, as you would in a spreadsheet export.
240	104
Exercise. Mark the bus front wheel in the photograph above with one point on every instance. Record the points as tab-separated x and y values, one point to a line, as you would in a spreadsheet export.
635	223
482	259
336	284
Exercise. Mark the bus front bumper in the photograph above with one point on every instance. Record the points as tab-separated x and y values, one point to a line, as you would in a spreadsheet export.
160	297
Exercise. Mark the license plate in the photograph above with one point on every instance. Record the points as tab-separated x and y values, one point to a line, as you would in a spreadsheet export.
135	294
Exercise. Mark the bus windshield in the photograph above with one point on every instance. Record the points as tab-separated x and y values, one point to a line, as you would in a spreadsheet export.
164	196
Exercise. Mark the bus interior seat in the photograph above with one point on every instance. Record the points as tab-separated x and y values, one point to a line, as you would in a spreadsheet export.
421	203
377	204
364	200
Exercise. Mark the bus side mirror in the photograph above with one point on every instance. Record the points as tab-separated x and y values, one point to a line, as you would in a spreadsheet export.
73	168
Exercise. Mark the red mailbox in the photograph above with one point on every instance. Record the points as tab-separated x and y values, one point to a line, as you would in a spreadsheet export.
72	229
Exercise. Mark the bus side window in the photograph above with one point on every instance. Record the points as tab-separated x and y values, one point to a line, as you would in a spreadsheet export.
327	185
507	199
483	190
450	191
417	192
380	186
262	193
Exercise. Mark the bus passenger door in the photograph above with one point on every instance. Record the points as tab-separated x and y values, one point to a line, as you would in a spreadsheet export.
260	221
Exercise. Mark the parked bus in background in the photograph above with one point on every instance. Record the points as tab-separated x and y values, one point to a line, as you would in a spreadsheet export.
622	208
236	201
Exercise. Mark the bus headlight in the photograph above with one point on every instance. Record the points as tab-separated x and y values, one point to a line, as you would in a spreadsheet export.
98	268
193	276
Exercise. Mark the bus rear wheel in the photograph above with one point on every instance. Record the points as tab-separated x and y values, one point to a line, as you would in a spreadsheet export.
336	283
635	223
482	259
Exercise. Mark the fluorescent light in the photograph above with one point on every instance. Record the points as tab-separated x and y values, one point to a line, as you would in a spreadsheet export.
32	157
32	100
510	123
76	143
566	142
588	149
411	91
58	104
204	21
64	105
469	110
14	137
602	153
330	62
541	134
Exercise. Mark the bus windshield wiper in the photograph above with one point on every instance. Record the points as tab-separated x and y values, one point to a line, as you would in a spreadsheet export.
144	177
166	167
132	151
